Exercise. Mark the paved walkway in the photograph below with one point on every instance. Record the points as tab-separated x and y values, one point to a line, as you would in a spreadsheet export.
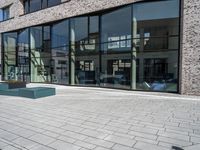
100	119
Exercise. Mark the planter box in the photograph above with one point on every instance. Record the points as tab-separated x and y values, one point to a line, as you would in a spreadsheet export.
37	92
16	85
10	92
3	86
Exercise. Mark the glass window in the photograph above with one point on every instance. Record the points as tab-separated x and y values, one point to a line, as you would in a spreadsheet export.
46	33
116	46
46	39
85	31
26	6
116	70
81	28
44	3
156	40
85	37
1	15
60	36
93	39
10	48
79	31
40	38
23	56
53	2
36	38
40	54
157	25
35	5
94	24
60	49
6	13
116	30
23	40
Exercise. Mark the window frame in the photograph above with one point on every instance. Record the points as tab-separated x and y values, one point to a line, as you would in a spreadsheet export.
27	10
3	10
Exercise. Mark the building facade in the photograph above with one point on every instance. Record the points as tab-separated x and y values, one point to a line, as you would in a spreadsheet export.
128	44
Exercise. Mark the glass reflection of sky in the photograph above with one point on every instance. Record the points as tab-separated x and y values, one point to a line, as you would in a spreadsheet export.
156	10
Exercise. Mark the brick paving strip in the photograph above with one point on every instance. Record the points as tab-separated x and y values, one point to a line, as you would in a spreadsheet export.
100	119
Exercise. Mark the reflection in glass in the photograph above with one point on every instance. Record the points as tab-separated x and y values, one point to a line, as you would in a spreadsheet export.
116	71
60	53
116	30
86	46
23	56
85	72
156	35
80	28
36	38
35	5
1	15
60	36
10	48
6	13
116	58
44	3
53	2
137	48
46	39
40	53
26	6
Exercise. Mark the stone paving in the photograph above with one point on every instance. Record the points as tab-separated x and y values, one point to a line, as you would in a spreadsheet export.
80	118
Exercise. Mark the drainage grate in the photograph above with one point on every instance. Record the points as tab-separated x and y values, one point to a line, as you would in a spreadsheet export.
176	148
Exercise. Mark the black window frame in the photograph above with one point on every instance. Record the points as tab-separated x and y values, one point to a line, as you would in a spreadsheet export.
4	9
26	4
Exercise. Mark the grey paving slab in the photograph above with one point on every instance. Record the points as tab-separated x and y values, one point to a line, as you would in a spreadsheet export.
193	147
25	143
2	144
146	146
120	140
60	145
42	139
122	147
9	147
84	118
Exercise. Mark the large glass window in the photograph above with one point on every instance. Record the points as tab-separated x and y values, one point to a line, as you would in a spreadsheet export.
23	56
156	36
84	50
80	29
40	44
60	36
36	36
137	48
10	61
116	48
60	53
116	30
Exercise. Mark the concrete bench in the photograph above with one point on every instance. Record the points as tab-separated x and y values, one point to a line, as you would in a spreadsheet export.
10	92
36	92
